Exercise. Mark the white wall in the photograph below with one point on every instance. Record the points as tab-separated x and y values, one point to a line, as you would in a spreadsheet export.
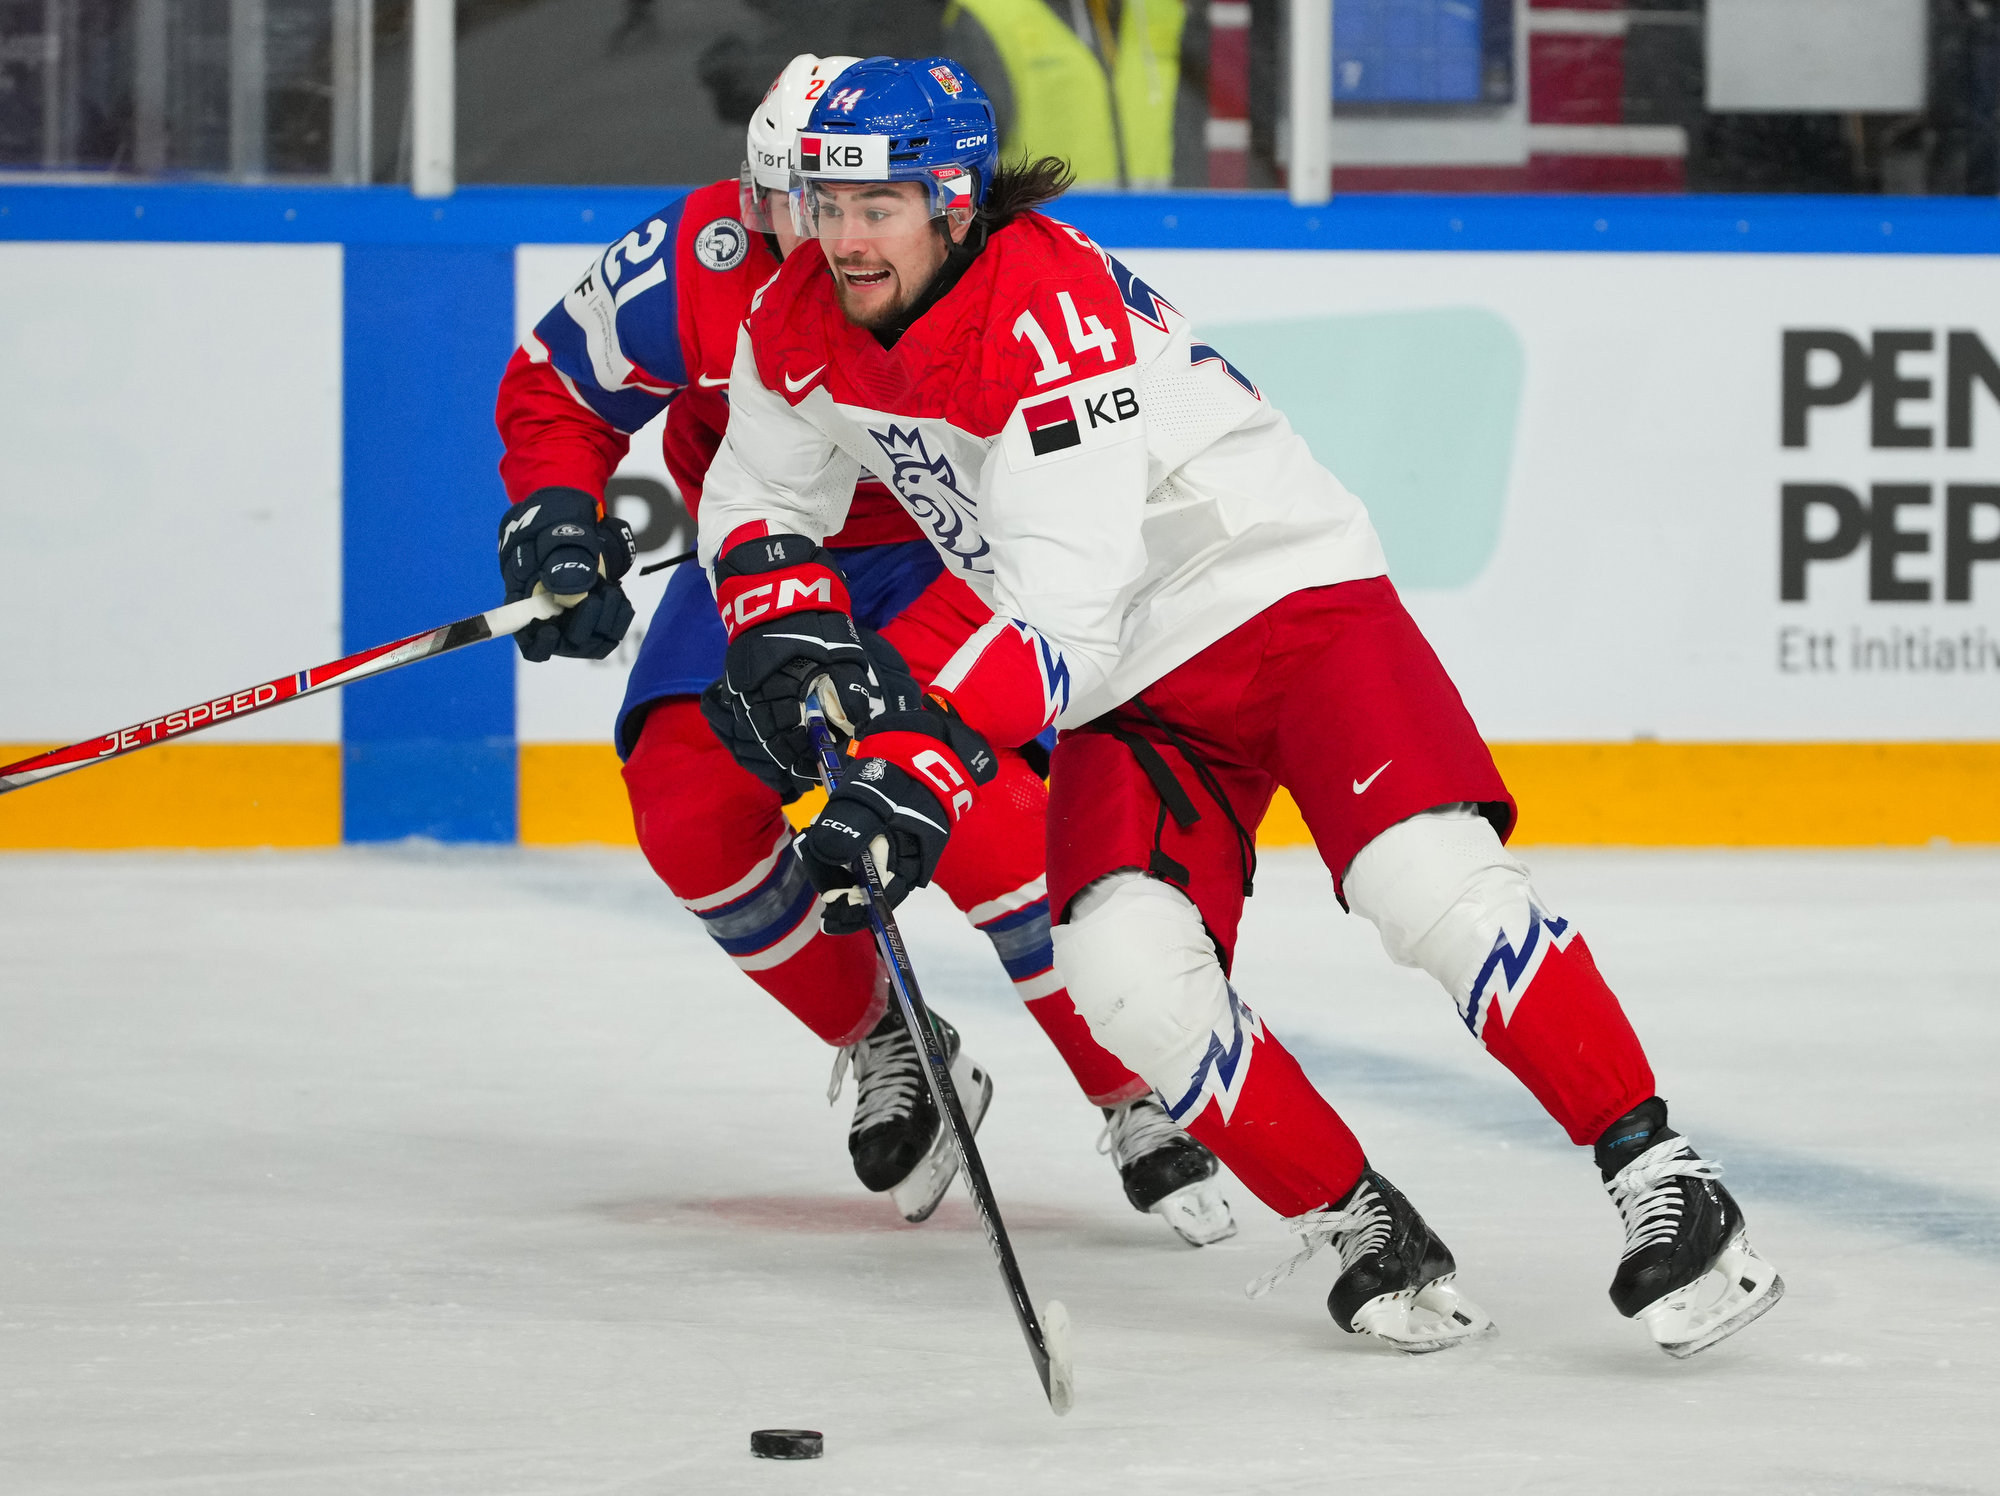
170	440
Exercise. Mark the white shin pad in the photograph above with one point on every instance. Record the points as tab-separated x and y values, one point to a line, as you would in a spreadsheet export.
1441	890
1143	973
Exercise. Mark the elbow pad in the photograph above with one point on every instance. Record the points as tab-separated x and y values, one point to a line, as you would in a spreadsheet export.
1007	682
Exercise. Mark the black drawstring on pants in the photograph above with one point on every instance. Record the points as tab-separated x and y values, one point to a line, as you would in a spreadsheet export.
1174	798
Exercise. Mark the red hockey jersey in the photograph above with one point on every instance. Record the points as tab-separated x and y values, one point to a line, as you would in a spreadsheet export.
1110	485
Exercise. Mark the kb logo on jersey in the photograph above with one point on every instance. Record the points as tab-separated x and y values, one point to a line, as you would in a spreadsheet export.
1053	425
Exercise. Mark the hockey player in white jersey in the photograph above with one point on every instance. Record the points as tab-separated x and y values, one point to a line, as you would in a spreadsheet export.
1203	610
652	327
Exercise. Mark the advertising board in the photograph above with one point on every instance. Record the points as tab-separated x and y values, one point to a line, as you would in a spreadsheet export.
170	473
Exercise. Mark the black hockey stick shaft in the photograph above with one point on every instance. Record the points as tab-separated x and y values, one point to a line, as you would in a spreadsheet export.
1056	1378
647	571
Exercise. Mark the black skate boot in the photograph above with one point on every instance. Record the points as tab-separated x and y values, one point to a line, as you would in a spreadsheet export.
1688	1273
1396	1278
1166	1172
897	1139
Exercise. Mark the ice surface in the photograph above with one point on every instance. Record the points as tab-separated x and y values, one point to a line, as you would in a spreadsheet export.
481	1172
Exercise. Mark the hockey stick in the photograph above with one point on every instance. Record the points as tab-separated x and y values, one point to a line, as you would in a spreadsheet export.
510	618
1048	1338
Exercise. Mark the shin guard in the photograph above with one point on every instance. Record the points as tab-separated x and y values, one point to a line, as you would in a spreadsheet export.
992	870
1449	899
1544	1012
718	839
1145	976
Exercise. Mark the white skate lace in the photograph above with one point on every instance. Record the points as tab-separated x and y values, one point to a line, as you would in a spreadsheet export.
1359	1228
888	1074
1135	1130
1645	1195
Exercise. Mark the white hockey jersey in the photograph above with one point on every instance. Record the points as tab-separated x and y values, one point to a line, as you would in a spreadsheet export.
1099	475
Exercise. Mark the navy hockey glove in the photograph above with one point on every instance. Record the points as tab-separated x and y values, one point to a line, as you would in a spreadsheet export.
554	538
914	780
727	718
727	721
785	607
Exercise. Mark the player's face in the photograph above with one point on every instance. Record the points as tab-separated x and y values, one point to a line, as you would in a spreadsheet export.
880	239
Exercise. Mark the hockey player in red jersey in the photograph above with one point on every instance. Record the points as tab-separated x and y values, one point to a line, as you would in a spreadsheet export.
1203	609
653	325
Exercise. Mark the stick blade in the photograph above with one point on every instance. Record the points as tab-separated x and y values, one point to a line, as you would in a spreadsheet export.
1062	1369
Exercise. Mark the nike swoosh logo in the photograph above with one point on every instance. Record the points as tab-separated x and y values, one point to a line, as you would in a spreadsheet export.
715	384
793	386
1362	784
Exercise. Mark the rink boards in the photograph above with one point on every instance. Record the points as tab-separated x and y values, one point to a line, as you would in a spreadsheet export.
1699	499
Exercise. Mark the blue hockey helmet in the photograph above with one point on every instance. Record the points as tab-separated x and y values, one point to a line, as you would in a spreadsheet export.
897	119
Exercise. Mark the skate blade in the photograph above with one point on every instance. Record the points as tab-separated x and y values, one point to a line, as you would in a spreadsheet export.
1197	1212
1740	1287
923	1189
1417	1322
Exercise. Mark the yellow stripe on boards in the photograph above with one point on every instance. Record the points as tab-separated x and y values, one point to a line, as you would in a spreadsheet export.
573	792
1736	795
1755	794
181	795
1579	794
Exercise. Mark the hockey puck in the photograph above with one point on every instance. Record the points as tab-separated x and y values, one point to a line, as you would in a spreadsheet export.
787	1443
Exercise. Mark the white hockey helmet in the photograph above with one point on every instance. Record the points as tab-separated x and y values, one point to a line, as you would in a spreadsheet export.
771	145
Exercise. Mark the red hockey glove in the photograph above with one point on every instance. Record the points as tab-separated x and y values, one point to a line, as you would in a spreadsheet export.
789	621
915	778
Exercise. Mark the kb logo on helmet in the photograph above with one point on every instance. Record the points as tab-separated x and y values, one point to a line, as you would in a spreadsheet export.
833	155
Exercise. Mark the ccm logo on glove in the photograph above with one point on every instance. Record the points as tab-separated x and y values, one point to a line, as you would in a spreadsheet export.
745	605
945	779
555	540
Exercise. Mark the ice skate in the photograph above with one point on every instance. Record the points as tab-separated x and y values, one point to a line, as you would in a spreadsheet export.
1689	1274
1165	1172
897	1140
1396	1278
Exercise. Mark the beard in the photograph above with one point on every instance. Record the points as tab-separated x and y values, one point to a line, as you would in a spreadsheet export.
886	309
908	294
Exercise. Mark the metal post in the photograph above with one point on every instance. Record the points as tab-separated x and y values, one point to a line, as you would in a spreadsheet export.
364	91
52	89
248	88
1309	74
149	86
346	62
432	100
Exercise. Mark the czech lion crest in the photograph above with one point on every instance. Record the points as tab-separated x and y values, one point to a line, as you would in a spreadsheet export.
929	486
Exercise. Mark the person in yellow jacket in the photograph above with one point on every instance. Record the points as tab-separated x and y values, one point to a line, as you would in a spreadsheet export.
1091	81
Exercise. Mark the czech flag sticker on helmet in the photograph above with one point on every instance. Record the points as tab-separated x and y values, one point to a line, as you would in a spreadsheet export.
953	181
947	80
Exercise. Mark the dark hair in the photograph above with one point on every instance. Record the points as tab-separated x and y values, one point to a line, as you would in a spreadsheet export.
1023	185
